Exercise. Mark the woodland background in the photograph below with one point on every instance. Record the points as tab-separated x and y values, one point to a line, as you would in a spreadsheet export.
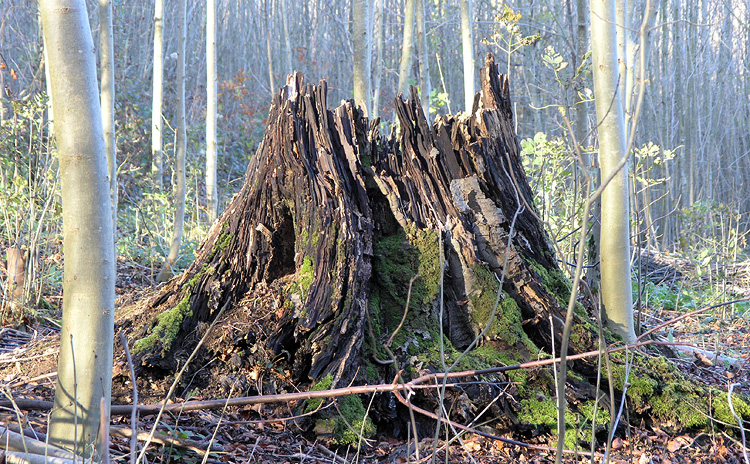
690	161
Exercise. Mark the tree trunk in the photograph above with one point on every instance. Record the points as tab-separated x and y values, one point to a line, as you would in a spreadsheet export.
362	45
406	47
157	160
85	363
614	246
467	43
424	64
179	175
338	247
378	20
212	200
107	63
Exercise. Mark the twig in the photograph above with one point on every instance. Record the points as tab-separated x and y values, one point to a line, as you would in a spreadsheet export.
134	412
179	376
17	442
104	429
163	439
739	421
218	424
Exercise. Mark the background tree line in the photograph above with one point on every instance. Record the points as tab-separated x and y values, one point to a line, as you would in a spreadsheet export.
695	111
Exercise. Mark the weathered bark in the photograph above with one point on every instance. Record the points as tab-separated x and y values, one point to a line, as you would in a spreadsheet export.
316	253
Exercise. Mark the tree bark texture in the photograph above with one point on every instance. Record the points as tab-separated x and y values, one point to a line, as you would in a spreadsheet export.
85	362
336	228
157	125
614	245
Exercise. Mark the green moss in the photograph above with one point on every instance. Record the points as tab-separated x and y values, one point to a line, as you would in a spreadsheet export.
352	421
167	326
657	387
542	412
322	384
306	275
554	281
506	324
397	259
721	407
223	242
347	426
681	403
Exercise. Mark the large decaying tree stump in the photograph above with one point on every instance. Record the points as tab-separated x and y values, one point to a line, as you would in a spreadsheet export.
336	228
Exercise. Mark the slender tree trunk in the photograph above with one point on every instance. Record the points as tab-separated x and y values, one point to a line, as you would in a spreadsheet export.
362	46
107	63
582	117
424	64
287	42
377	79
85	363
157	158
406	48
615	236
212	200
467	44
48	87
179	189
271	82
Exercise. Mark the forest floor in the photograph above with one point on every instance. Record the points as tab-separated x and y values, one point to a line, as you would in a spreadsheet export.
266	434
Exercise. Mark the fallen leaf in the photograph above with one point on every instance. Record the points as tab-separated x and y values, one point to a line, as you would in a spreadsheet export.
678	442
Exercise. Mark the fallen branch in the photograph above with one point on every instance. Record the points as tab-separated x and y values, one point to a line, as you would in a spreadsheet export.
16	442
19	457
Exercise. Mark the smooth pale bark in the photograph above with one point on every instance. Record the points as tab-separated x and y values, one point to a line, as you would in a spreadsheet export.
179	173
271	82
85	363
614	248
582	117
287	41
406	47
107	63
626	49
467	46
212	200
424	64
157	159
48	89
361	45
377	79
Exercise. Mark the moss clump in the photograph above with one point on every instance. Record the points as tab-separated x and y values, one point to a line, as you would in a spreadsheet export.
322	384
681	403
352	422
554	281
720	402
167	326
305	278
542	412
346	427
656	385
506	323
222	243
399	257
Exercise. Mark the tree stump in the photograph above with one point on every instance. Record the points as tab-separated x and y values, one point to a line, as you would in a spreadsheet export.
333	257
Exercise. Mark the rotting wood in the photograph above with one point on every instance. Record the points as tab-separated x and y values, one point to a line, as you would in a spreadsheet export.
334	221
